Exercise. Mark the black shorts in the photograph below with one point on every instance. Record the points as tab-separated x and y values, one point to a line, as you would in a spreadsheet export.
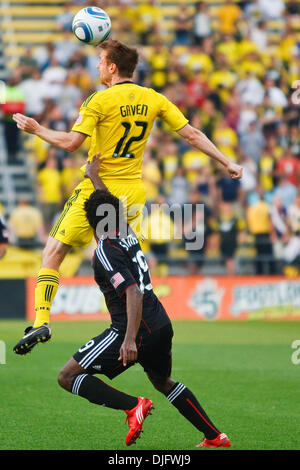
100	354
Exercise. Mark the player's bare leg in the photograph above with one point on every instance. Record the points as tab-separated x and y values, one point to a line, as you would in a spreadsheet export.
47	285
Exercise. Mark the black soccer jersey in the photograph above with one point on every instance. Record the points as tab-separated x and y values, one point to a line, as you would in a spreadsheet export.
3	231
118	264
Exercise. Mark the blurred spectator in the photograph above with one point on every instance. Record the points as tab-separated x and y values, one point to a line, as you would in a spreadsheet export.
36	90
293	216
278	216
286	191
249	178
229	13
266	170
202	23
274	93
159	63
293	7
64	20
229	190
49	188
205	185
197	231
183	25
3	236
283	135
71	175
294	140
259	225
253	13
179	188
158	228
250	89
148	16
252	141
289	166
65	48
292	248
259	35
272	10
228	226
226	139
151	176
27	64
26	225
14	103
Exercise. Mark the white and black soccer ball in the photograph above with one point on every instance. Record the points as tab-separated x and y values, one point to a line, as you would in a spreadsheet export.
91	25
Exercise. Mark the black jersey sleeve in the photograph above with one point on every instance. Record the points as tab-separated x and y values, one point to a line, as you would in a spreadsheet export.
115	265
3	231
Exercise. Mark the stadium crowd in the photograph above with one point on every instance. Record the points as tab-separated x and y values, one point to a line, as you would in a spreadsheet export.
237	82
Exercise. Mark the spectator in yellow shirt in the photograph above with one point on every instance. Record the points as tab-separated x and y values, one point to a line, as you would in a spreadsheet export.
26	225
226	139
49	189
260	225
229	13
148	16
158	227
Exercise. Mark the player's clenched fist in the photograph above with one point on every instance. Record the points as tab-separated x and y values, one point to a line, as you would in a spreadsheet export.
26	123
235	170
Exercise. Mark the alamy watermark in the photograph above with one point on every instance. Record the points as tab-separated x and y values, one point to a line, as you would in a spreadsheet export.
295	98
160	222
2	352
295	358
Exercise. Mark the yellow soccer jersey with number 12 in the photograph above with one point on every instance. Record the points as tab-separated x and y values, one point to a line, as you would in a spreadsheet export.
119	121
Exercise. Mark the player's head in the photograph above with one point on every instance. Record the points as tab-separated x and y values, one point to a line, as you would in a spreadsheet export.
116	59
104	212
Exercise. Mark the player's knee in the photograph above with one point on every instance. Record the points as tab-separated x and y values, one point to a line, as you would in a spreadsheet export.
54	253
65	379
163	385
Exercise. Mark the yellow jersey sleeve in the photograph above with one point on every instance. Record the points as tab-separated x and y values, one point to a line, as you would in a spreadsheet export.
88	117
171	114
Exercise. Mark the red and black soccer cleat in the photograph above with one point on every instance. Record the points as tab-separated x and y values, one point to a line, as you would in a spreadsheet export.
136	417
220	441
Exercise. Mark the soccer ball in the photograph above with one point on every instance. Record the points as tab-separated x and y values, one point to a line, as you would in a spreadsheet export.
91	25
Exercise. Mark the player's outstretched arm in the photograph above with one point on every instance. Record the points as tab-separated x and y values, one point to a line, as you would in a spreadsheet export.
134	306
199	140
92	172
69	141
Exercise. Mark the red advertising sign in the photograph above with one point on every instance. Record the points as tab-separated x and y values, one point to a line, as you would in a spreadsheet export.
191	298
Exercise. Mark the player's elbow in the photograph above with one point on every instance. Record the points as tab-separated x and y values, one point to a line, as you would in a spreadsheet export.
71	146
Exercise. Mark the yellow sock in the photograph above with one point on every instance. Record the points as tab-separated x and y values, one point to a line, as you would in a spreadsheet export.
46	288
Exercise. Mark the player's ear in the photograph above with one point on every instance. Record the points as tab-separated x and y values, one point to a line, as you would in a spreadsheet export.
113	68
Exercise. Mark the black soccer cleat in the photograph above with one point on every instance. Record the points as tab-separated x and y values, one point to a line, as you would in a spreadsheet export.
32	336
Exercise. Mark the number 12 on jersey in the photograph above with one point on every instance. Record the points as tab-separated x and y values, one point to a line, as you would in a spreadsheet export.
126	153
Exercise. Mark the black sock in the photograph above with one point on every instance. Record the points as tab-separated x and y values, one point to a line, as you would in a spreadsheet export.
186	403
98	392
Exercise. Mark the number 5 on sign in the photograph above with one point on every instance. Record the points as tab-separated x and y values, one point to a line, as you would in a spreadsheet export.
2	353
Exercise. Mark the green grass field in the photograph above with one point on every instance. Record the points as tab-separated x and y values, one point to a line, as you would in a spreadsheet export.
241	373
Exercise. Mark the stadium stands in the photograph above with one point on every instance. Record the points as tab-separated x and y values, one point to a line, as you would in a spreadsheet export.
242	73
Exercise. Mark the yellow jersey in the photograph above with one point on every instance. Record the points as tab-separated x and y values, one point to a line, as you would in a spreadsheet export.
119	121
